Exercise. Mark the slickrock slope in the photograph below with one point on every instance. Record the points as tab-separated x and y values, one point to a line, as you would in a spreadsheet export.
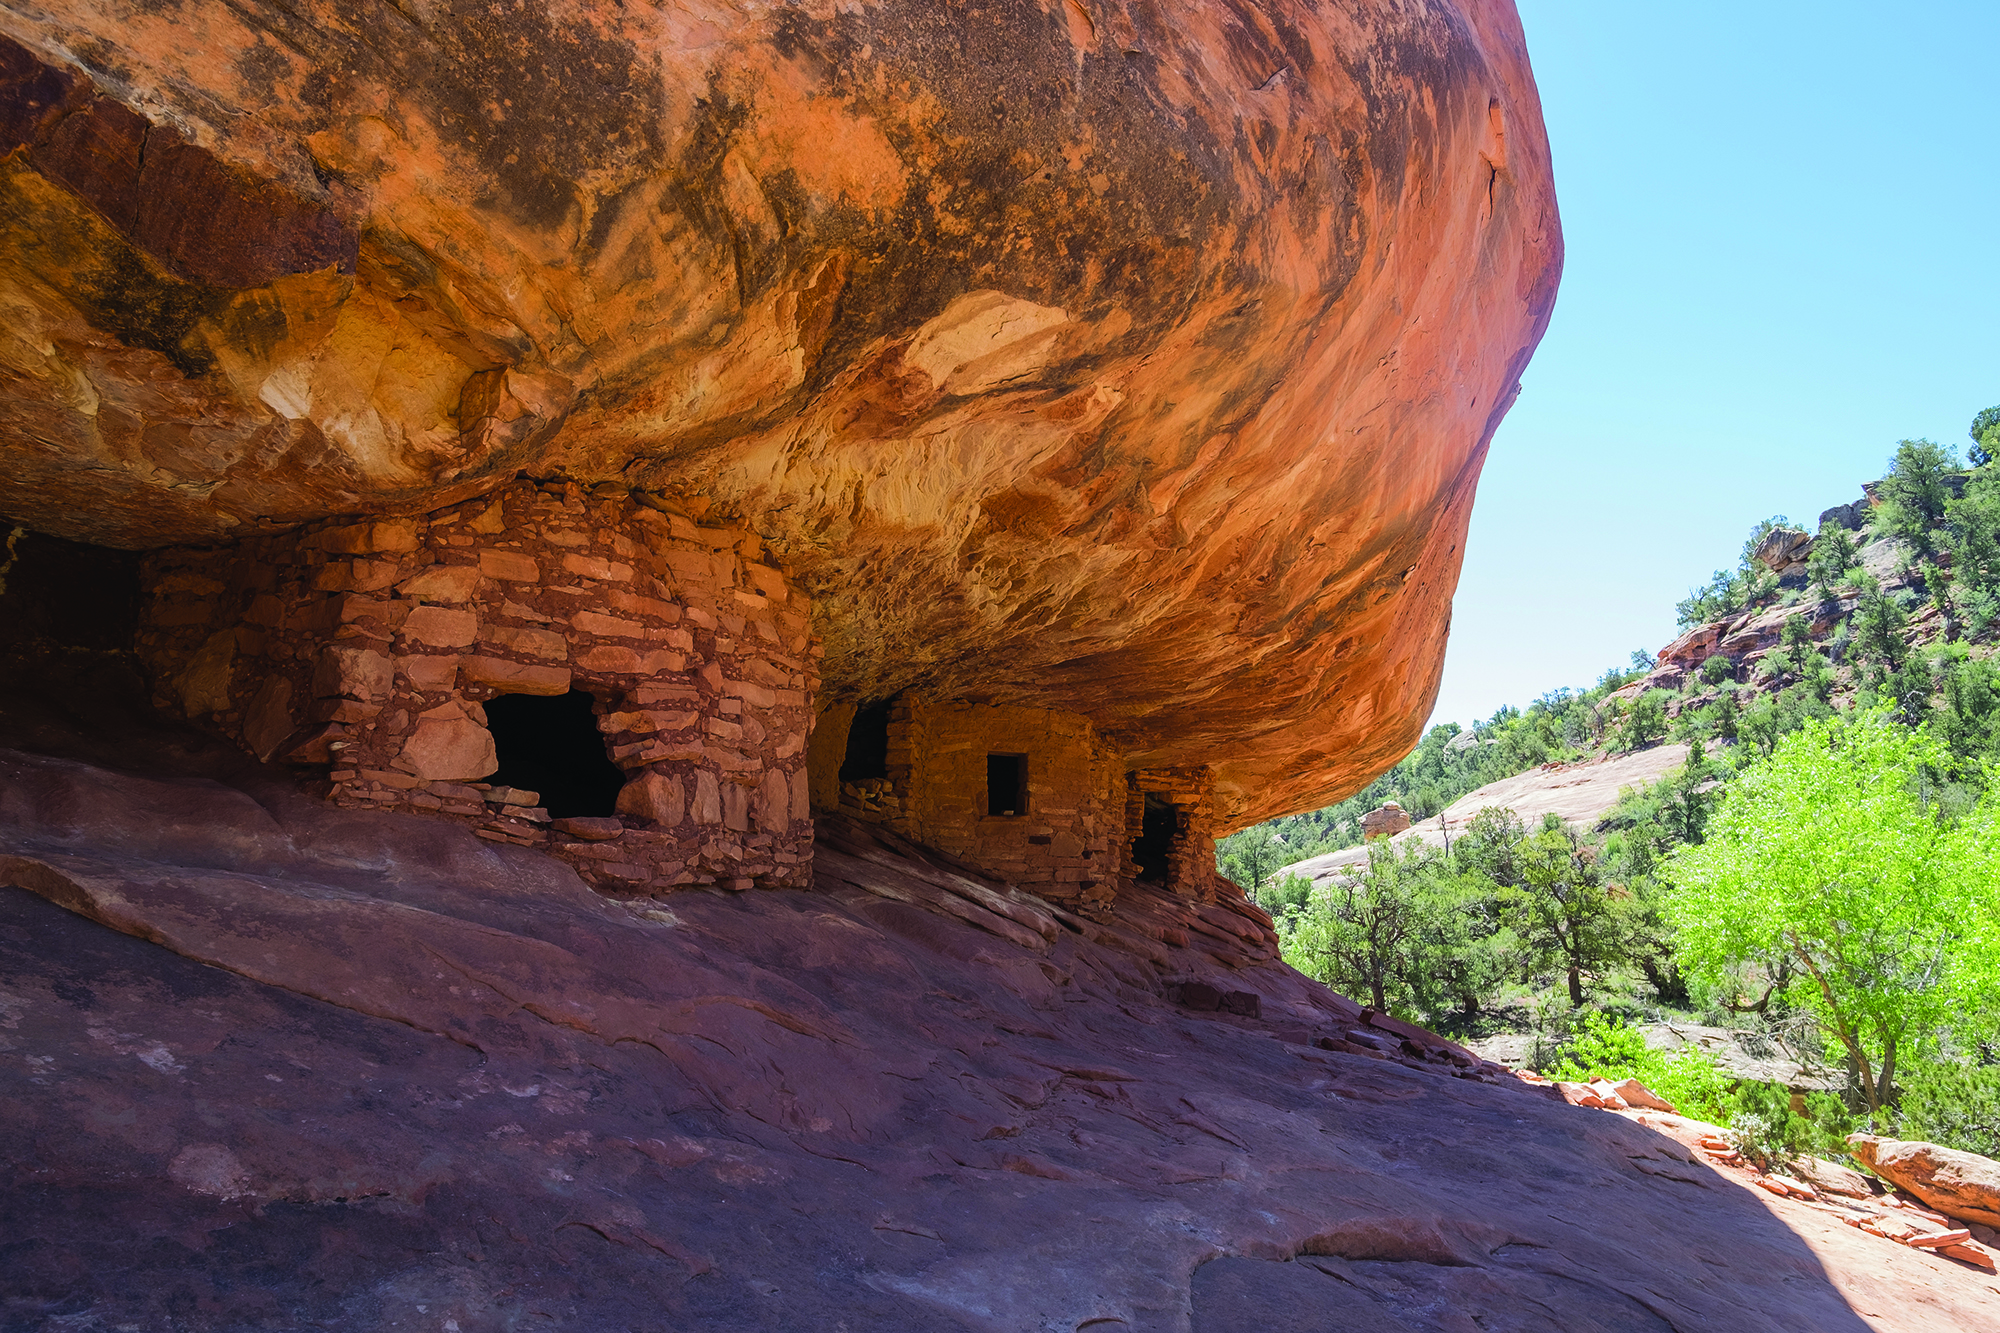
1577	793
1127	359
359	1070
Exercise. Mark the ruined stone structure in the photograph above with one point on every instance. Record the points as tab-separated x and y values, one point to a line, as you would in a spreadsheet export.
392	651
386	649
1174	809
1035	796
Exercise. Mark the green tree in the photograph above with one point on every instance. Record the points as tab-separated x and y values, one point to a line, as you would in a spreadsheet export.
1985	435
1832	555
1489	847
1972	535
1828	855
1561	910
1878	628
1462	950
1250	856
1914	493
1358	931
1968	717
1952	1104
1645	721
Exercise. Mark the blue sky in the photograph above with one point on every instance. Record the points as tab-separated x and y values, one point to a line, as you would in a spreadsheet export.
1783	228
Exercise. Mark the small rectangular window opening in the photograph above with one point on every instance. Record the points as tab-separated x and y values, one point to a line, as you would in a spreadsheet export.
1006	784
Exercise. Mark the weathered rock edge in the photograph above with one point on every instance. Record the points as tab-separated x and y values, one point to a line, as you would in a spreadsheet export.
425	1078
1132	361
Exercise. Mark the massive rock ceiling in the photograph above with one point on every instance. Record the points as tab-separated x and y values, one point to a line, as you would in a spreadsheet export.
1131	358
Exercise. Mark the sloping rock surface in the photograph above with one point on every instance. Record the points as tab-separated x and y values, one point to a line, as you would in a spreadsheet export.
1151	352
281	1066
1575	793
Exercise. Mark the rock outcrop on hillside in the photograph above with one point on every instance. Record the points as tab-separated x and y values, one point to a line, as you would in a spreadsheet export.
1088	355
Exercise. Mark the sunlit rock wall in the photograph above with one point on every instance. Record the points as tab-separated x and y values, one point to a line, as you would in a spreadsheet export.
1128	359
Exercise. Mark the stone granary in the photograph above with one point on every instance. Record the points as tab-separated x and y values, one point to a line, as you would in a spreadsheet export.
593	675
1034	795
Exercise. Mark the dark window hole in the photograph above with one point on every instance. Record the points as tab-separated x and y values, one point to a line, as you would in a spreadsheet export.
1006	784
551	745
867	744
1156	835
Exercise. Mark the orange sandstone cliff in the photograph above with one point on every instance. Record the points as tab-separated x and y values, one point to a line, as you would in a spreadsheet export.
1130	360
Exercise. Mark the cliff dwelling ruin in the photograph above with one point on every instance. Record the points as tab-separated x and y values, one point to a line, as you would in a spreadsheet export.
598	677
706	579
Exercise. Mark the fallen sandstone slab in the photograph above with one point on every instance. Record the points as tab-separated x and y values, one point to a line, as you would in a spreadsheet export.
1959	1184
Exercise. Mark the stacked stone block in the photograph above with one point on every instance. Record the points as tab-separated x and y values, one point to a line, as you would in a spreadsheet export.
371	647
1191	871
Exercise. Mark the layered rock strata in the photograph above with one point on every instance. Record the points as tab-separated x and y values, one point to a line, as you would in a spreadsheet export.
1152	354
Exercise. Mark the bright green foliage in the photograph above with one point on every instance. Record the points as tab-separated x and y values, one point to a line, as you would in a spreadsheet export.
1606	1048
1828	855
1717	669
1913	495
1955	1105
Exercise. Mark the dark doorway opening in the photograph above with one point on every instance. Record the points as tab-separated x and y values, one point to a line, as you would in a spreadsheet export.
1156	835
1006	784
550	744
867	744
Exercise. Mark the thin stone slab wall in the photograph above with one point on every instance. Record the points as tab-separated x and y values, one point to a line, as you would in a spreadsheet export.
1191	871
372	647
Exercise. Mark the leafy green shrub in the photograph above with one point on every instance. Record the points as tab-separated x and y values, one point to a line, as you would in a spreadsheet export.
1717	669
1833	555
1647	720
1606	1048
1953	1105
1770	1133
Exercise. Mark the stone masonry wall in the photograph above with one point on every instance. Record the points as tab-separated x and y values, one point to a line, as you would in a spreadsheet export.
1191	871
371	647
1065	844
